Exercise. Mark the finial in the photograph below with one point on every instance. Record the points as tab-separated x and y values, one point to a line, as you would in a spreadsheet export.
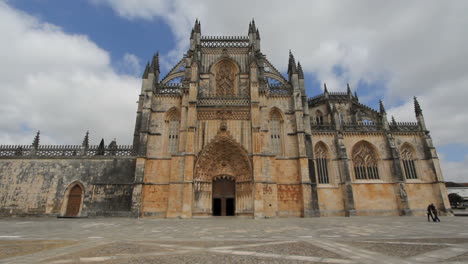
417	107
258	34
197	27
381	107
155	63
292	64
393	120
146	72
348	89
36	140
300	73
355	95
101	149
325	90
85	143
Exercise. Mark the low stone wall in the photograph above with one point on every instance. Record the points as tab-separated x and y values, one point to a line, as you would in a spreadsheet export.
38	186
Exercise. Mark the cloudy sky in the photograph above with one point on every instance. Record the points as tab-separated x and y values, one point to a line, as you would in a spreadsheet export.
72	66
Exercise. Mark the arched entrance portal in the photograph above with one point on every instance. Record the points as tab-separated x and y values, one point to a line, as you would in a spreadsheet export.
224	196
223	179
74	201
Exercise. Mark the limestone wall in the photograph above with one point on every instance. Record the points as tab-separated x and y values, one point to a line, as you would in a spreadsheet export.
38	186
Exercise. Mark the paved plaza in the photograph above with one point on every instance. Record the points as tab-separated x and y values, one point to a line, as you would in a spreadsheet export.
233	240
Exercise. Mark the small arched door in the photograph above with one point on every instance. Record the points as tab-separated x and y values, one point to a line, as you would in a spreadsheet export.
74	201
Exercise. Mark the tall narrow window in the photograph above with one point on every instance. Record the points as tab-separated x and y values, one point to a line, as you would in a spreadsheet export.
408	163
173	123
321	161
365	162
318	117
275	132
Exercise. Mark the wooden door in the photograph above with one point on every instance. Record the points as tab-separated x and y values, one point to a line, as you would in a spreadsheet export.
74	201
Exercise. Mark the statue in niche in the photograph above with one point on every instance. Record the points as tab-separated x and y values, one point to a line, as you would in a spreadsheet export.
225	79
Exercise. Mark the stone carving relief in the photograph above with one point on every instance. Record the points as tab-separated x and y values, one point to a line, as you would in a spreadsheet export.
226	158
225	75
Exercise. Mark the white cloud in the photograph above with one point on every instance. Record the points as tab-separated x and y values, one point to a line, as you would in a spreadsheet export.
60	83
130	64
417	48
455	171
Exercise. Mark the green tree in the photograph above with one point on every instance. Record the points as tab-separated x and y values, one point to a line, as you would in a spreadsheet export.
455	199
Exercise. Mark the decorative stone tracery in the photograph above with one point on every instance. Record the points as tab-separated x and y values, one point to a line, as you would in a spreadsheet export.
223	158
365	161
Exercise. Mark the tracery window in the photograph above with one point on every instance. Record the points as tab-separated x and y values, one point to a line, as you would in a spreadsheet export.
365	162
173	124
318	117
321	161
275	132
408	162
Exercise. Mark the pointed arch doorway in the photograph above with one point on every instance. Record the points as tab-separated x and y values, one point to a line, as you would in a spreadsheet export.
223	183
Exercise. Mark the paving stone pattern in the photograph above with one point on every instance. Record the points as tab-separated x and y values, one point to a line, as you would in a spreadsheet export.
234	240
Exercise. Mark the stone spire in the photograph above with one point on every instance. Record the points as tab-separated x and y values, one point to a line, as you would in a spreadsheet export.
258	35
355	95
292	64
101	149
252	28
300	73
197	27
419	115
36	140
146	72
348	89
154	67
85	143
417	107
393	121
325	90
381	107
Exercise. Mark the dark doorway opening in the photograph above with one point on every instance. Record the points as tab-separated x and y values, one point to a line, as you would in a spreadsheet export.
217	206
74	201
224	193
230	206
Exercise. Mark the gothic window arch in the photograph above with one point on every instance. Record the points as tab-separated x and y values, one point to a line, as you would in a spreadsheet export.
319	117
321	159
173	125
408	160
365	161
276	137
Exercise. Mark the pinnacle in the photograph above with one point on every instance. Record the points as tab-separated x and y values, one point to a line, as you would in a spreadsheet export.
382	108
292	68
300	72
325	90
417	107
36	140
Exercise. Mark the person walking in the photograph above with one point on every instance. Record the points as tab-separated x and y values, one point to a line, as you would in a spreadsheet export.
429	213
435	218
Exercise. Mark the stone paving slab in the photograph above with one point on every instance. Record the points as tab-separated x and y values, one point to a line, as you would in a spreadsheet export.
12	248
397	250
370	240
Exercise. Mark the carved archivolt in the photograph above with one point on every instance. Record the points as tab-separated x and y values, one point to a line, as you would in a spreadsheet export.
223	156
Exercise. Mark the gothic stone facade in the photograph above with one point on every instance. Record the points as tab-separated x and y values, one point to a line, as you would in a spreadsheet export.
225	133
